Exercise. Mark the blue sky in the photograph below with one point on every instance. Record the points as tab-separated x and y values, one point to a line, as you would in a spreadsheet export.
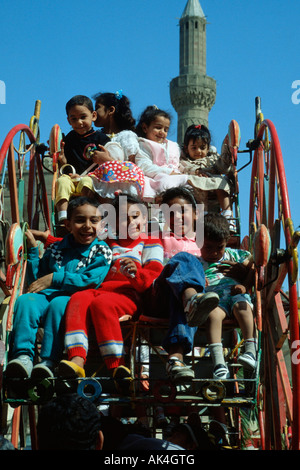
52	50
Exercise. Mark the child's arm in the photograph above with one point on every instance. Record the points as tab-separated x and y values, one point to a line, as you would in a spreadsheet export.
101	155
89	276
152	265
62	158
243	272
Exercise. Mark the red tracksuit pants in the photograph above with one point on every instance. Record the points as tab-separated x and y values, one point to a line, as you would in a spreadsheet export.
101	310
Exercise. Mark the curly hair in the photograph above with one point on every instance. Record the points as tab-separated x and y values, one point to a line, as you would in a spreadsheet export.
68	422
148	116
123	115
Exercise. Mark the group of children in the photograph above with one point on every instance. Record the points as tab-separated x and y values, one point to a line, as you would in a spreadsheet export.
87	281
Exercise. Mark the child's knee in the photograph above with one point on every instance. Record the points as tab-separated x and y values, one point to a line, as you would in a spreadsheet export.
241	308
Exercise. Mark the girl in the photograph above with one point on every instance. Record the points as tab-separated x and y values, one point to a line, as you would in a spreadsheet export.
179	291
137	261
204	168
158	157
181	214
121	173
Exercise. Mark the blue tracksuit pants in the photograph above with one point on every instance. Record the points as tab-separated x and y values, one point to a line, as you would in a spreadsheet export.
38	309
183	270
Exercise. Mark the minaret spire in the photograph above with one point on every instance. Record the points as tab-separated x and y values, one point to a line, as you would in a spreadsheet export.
192	93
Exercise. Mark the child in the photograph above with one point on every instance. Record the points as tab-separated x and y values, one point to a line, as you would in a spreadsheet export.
204	168
179	291
137	261
234	301
77	262
74	158
121	174
182	214
159	157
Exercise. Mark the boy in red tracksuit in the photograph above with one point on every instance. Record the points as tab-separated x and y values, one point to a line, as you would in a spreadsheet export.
137	261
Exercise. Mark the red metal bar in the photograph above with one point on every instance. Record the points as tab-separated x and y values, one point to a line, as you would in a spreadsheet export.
8	139
294	320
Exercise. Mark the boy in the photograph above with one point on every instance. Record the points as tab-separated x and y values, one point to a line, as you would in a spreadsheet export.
76	152
77	262
233	299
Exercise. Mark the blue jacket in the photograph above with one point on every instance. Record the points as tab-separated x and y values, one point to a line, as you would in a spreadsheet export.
74	266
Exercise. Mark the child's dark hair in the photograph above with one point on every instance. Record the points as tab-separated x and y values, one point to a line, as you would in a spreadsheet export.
179	191
193	133
79	100
80	201
130	199
148	116
216	227
123	115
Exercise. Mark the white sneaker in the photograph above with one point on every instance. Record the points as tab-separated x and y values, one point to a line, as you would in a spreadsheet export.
178	370
221	372
21	367
43	370
199	307
247	360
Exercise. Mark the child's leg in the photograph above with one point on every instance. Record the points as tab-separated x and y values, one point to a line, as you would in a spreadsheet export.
65	187
77	325
244	315
106	310
54	329
27	315
85	187
28	312
214	336
224	200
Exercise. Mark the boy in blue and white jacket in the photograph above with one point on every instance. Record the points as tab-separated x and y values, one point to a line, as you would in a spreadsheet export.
77	262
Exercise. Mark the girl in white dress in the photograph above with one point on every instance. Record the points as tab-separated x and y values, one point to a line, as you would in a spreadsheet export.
159	157
206	169
119	173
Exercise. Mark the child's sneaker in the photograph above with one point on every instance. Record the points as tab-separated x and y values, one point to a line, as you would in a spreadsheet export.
43	370
247	360
21	367
70	369
199	307
178	370
221	372
123	380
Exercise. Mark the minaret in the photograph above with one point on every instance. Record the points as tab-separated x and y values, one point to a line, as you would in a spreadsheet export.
192	93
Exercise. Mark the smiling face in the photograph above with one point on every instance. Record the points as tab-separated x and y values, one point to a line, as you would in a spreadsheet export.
182	217
196	149
84	224
81	119
132	225
157	130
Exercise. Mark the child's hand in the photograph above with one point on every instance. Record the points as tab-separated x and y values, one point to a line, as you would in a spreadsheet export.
41	283
31	241
101	155
201	173
39	235
233	269
61	160
128	267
